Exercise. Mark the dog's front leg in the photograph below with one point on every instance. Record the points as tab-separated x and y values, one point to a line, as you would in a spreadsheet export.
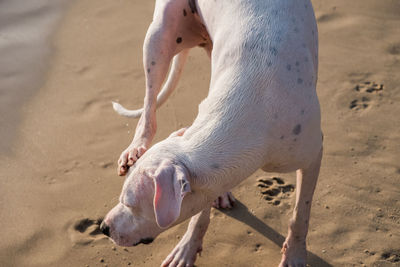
160	46
185	253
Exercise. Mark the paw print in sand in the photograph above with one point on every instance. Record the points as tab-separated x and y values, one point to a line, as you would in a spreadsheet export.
366	90
275	190
391	256
86	231
369	87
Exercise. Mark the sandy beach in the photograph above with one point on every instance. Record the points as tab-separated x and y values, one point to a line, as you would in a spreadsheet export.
62	64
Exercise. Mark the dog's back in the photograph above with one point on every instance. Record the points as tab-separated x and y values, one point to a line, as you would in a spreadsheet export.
264	72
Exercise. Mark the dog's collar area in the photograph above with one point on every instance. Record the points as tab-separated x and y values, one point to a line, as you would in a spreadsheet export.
145	241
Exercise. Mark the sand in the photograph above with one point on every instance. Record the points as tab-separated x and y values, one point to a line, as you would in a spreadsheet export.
60	139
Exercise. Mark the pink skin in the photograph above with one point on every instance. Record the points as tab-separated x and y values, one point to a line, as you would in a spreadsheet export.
170	33
133	218
125	223
150	202
143	136
156	60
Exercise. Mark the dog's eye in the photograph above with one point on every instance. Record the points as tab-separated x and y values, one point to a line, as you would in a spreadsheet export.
127	202
135	209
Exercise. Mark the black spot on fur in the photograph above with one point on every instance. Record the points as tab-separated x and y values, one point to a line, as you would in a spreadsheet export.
297	129
192	5
148	70
179	40
302	112
297	63
289	67
153	63
282	137
184	12
299	80
215	166
307	202
273	50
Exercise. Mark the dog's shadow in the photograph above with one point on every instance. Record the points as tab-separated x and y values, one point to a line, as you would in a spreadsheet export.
241	213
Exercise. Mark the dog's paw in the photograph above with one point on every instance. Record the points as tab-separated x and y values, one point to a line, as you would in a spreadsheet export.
225	201
129	156
293	255
184	254
292	263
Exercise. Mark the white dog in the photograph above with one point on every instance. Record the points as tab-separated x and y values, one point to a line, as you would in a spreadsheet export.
262	111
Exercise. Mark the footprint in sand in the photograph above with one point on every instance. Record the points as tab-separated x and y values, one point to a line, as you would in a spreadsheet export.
275	190
367	92
358	104
394	49
391	256
85	231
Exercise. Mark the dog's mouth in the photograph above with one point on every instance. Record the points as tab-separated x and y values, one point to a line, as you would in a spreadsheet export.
145	241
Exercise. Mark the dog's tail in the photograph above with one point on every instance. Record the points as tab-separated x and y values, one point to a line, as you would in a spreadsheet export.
173	77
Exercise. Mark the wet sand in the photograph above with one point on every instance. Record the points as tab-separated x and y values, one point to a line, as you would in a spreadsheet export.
60	139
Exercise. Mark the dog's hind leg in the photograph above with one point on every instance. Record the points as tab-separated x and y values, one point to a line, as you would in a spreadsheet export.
170	84
185	253
160	46
294	248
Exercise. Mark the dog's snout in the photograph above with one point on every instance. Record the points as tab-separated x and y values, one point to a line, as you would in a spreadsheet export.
105	228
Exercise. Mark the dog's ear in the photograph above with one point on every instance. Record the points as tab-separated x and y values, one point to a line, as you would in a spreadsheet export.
171	185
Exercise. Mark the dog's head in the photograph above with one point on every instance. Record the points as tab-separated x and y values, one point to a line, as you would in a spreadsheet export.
150	202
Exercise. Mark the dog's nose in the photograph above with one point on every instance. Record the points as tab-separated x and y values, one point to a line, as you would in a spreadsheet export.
105	228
